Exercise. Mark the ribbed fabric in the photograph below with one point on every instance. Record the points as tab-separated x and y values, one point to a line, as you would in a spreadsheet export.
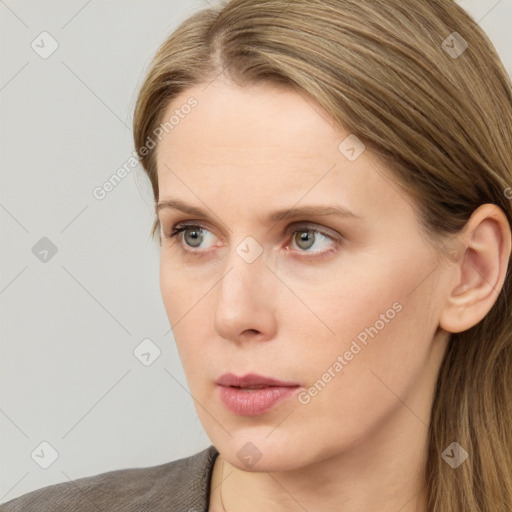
179	486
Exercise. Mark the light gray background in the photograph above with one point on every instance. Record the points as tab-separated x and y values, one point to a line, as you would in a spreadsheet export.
69	326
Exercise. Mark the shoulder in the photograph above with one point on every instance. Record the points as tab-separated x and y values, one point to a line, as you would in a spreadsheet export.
181	484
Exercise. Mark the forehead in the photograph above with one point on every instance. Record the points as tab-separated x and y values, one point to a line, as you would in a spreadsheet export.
266	141
258	120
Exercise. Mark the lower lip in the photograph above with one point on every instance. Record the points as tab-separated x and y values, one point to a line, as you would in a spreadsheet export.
255	402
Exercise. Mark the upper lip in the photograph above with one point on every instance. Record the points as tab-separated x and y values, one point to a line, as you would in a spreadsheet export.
251	379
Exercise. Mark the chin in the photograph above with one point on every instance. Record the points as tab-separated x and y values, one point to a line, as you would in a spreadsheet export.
254	450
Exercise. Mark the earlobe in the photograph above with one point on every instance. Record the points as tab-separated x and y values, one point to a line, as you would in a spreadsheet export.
480	271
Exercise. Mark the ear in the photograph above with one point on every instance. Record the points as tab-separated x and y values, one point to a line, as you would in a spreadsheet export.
480	256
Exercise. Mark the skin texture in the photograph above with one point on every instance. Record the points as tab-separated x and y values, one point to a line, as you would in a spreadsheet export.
360	443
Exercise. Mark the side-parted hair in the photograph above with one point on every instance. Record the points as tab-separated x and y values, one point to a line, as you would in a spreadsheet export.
421	85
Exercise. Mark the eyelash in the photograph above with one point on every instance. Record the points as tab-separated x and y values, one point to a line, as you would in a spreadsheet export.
179	228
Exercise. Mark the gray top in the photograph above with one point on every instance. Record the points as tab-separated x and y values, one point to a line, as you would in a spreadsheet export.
179	486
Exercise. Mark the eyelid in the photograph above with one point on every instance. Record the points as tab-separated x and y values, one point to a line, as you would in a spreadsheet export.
308	226
192	224
295	226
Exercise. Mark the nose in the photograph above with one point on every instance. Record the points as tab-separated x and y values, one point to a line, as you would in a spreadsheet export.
245	301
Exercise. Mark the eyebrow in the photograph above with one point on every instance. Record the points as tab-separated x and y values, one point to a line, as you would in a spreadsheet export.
276	216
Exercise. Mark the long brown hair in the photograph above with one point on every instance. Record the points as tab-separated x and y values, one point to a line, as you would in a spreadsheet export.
422	86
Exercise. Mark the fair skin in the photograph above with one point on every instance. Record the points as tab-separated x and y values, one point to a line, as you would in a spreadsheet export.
360	444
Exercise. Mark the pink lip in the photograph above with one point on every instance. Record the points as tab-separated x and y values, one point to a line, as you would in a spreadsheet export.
253	402
251	379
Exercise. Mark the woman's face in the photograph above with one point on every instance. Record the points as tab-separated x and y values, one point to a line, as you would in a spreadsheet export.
346	308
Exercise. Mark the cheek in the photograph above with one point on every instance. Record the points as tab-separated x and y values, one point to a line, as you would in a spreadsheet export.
186	293
383	326
385	376
373	314
182	304
361	303
181	287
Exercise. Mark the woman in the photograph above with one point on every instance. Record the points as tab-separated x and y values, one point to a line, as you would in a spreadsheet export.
332	184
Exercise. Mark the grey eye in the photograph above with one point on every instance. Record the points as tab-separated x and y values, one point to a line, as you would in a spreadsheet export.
304	239
196	236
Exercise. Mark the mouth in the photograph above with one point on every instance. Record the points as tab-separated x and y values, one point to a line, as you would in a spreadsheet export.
252	381
251	388
252	394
